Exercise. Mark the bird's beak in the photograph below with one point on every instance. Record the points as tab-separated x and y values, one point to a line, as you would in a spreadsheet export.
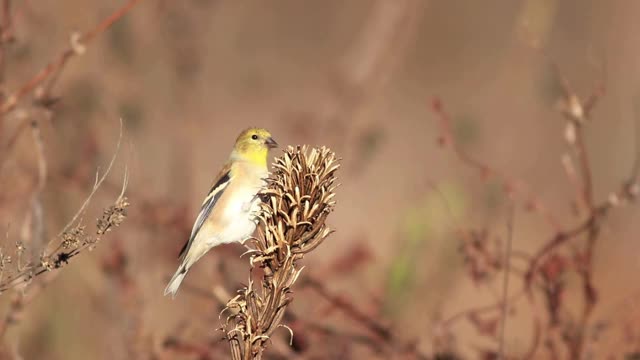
271	143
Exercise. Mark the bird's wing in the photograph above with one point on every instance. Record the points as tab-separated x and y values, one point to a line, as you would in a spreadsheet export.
219	185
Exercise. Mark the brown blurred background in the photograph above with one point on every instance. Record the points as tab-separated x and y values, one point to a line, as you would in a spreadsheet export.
357	76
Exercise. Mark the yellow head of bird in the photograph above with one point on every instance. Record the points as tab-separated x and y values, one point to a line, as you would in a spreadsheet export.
253	145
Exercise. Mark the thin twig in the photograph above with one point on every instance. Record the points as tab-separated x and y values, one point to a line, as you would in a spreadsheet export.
383	333
97	184
505	282
496	306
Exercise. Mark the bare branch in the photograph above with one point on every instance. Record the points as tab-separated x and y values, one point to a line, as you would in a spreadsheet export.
76	47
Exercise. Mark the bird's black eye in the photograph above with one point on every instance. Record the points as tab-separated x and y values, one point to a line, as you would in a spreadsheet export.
254	137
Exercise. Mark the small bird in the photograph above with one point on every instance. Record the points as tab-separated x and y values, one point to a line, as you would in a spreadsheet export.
228	213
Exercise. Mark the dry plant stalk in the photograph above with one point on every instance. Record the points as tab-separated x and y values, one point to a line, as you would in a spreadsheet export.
70	241
296	202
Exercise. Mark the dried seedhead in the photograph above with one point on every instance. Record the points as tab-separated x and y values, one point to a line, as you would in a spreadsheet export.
112	216
70	242
481	255
298	198
71	238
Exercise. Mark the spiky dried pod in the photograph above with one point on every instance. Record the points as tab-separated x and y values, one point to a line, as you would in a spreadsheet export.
296	202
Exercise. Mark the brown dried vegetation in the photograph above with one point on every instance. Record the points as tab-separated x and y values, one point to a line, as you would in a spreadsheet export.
207	66
299	197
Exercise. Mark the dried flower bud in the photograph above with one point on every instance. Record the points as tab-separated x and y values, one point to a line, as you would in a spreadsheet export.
112	216
71	238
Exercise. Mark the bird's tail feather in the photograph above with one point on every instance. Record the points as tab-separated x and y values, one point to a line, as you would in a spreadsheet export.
176	280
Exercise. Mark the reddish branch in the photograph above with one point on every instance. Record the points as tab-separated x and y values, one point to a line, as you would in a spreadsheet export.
49	72
505	284
577	113
77	47
510	186
385	334
350	309
544	270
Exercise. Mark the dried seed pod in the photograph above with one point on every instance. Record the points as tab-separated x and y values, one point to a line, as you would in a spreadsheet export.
299	197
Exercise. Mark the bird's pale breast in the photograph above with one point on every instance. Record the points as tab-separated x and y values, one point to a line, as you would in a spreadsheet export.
238	217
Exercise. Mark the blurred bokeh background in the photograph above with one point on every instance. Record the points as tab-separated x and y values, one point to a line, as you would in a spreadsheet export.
357	76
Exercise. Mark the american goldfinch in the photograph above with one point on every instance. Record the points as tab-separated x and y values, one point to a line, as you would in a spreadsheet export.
228	213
